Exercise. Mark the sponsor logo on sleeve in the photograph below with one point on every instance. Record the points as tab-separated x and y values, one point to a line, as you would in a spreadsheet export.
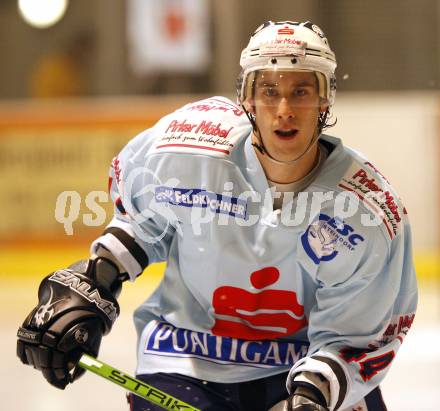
211	126
195	197
398	328
203	127
205	135
324	238
214	104
116	165
379	200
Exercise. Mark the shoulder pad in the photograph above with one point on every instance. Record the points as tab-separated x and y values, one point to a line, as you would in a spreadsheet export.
213	127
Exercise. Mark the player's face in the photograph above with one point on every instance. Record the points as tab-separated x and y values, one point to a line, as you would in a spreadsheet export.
287	106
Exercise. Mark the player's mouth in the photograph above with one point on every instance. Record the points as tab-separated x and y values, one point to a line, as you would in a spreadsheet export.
286	134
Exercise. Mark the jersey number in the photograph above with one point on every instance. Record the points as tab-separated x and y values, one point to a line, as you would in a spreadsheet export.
371	366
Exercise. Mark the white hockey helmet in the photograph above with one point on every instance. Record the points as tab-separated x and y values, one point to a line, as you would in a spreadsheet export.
288	46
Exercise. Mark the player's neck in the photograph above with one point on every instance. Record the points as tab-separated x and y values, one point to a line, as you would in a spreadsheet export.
289	173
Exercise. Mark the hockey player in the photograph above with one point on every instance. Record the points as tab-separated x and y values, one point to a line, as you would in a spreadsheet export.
289	272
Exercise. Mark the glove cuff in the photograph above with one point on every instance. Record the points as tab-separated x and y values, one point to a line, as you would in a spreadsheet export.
309	391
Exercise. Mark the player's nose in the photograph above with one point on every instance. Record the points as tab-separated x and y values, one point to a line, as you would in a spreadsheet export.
285	109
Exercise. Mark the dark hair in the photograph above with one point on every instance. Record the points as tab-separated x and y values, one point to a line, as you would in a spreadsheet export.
324	120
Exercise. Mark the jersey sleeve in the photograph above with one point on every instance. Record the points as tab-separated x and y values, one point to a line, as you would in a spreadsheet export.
364	306
140	232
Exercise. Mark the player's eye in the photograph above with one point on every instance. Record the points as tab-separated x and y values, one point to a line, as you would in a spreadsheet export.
270	92
301	92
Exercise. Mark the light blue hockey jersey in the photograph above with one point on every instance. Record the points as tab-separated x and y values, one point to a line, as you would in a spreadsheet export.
326	284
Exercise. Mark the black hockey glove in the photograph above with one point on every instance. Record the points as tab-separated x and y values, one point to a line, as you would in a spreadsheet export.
72	315
306	397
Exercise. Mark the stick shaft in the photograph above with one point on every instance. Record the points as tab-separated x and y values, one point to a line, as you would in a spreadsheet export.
133	385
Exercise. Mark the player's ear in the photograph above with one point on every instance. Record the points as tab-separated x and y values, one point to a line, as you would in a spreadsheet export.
323	105
249	105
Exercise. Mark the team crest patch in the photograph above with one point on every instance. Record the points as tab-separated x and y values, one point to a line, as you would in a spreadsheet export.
324	238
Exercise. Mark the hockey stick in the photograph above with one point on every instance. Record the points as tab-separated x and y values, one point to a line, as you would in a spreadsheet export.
134	385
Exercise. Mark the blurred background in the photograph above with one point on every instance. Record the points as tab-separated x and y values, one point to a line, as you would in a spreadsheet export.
79	78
